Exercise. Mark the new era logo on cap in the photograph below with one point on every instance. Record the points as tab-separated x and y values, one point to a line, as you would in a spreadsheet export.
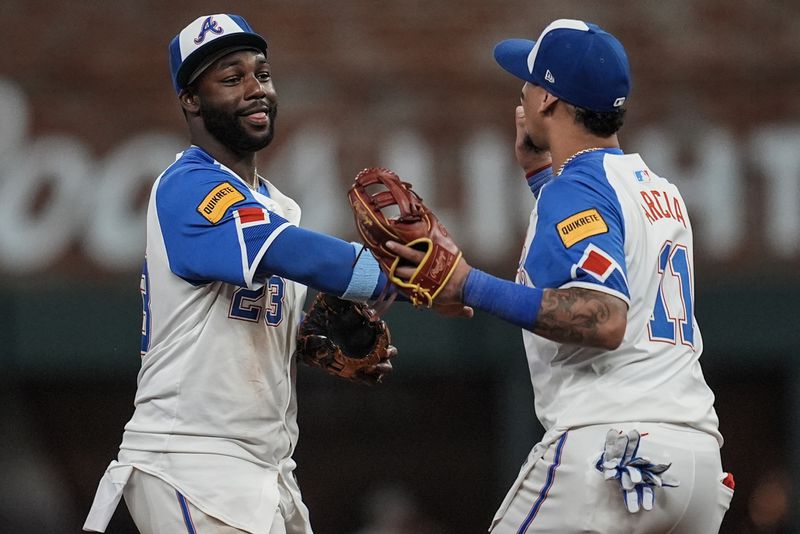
576	61
201	42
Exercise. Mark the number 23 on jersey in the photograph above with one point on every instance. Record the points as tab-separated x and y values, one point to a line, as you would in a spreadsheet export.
251	305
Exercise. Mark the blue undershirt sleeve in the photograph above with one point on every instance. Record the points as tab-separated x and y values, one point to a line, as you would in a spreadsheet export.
324	263
511	302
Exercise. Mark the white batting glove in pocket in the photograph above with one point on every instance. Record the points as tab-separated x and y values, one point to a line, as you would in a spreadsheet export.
636	476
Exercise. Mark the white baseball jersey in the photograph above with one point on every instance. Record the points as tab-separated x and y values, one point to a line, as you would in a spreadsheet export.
610	224
215	409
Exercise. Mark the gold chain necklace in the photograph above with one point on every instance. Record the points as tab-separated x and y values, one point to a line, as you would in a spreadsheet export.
575	155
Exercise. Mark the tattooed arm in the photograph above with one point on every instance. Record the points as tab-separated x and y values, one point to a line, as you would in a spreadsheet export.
582	317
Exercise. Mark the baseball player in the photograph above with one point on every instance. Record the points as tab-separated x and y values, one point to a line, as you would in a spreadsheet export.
209	446
605	295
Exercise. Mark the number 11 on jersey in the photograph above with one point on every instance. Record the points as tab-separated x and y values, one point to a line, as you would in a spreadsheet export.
666	324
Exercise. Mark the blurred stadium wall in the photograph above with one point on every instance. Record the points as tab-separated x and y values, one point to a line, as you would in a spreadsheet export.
88	119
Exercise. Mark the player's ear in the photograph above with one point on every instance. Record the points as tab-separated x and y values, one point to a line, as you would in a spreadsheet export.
548	104
189	100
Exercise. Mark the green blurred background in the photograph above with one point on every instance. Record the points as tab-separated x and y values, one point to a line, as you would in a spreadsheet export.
88	119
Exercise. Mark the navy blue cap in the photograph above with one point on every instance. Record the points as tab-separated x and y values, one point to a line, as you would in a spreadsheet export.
204	41
576	61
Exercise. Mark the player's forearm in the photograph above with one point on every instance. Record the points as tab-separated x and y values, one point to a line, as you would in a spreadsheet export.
323	262
575	315
582	317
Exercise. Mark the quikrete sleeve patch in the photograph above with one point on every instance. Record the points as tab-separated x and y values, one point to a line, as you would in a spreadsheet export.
220	198
580	226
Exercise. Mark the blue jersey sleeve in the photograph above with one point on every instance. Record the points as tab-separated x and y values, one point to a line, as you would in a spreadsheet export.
579	237
213	227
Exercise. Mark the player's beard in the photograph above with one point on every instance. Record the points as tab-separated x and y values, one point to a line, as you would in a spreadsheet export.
228	129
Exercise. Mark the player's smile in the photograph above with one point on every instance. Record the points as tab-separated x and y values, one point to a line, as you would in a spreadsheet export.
258	115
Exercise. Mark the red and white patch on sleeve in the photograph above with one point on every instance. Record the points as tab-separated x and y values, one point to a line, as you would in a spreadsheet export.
596	262
248	216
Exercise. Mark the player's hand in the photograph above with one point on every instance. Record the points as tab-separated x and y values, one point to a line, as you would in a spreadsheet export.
448	301
530	157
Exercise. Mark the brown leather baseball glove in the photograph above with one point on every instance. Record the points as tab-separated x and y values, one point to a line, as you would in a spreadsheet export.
377	191
345	339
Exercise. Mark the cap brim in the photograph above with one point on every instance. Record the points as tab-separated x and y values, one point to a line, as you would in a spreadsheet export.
198	57
512	55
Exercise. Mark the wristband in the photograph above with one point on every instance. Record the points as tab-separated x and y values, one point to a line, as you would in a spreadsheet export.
538	178
366	276
533	173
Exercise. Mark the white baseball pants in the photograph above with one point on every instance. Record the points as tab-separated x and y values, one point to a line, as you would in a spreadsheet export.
560	491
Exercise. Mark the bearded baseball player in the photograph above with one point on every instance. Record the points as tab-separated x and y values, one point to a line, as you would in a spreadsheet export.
209	446
605	295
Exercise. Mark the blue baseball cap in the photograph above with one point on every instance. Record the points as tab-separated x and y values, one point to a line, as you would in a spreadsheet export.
576	61
205	40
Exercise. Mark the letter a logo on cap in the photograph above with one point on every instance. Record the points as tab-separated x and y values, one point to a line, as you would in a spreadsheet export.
209	25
